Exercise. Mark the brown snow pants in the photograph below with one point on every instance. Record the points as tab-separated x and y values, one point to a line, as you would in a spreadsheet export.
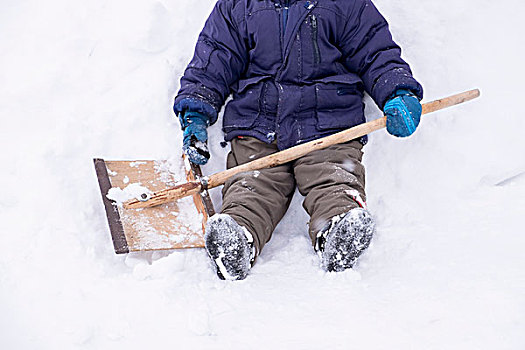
332	181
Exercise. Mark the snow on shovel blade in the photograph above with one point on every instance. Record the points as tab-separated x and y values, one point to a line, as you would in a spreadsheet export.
147	199
172	225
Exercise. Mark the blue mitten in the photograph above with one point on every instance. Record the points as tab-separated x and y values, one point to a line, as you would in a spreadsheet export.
403	112
195	136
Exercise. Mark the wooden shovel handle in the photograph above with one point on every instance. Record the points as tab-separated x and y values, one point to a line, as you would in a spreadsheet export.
450	101
290	154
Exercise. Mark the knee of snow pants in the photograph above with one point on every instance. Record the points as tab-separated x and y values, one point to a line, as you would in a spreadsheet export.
332	181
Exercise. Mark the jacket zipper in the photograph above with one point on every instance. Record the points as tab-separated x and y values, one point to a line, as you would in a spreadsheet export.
317	52
284	17
283	9
285	14
309	5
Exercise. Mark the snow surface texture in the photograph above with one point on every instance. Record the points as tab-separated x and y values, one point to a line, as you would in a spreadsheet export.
84	79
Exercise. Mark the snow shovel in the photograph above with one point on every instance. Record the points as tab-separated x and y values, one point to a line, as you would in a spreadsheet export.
204	183
166	213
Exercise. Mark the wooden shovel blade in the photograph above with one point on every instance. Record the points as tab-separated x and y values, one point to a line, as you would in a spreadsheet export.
172	225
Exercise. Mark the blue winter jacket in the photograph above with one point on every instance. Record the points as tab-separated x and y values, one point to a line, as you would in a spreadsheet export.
297	70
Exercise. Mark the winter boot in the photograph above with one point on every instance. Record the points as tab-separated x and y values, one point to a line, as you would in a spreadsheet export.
230	247
346	237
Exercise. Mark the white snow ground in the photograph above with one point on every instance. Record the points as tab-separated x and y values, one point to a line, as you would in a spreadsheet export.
84	79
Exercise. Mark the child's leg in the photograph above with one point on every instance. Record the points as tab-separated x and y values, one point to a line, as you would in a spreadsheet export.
257	200
332	181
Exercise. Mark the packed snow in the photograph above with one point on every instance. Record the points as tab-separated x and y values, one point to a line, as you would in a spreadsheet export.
445	270
131	191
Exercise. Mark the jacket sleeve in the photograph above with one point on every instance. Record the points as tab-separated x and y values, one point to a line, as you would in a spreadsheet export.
219	60
370	52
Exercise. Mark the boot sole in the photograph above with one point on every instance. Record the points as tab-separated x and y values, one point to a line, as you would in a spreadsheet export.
348	240
228	248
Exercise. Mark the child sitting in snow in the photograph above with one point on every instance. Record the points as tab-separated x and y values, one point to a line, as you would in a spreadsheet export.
297	71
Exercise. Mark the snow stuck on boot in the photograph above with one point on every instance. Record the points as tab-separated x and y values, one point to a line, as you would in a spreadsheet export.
230	247
343	242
